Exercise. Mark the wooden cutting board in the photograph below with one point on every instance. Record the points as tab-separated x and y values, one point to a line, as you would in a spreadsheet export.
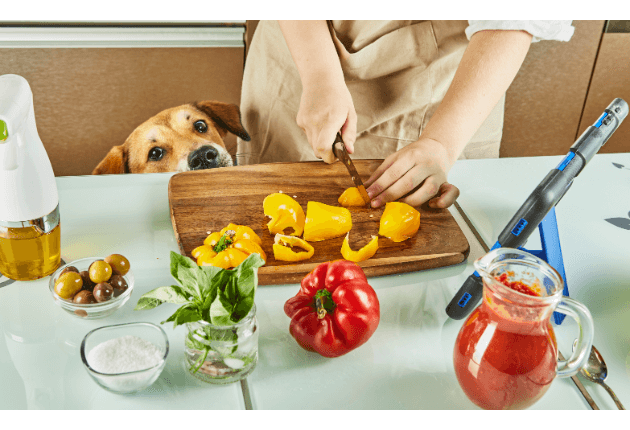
208	200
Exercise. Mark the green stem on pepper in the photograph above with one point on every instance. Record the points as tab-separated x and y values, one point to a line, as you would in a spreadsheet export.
225	241
324	303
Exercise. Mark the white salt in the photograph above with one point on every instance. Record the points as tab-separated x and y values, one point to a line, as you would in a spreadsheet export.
124	354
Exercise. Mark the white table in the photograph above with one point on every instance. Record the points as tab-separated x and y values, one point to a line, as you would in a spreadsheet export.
407	364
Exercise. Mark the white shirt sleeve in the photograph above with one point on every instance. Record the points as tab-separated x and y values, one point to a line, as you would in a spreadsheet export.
540	30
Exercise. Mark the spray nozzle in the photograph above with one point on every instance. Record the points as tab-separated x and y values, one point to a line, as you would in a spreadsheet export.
4	133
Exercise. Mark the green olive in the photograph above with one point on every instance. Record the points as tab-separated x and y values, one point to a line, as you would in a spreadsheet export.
119	263
100	271
68	285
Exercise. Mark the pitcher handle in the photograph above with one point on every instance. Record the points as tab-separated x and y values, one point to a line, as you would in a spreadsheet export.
581	352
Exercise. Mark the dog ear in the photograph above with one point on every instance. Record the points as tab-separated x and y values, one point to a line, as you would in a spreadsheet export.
226	116
114	162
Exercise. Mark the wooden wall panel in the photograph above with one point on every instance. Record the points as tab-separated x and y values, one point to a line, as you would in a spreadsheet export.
90	99
545	102
611	79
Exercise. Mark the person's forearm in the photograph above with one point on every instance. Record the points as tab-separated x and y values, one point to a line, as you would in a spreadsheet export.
487	69
313	51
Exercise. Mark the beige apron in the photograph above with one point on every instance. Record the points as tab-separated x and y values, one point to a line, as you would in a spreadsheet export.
396	71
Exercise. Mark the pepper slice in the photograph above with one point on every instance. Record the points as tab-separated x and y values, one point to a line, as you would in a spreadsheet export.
362	254
284	213
399	221
283	248
228	247
325	222
351	197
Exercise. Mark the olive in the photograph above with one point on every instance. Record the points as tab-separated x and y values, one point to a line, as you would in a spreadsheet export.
68	285
119	263
84	297
69	269
119	284
100	271
87	282
103	292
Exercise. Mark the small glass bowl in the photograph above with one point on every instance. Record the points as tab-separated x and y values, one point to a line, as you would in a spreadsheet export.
128	382
93	310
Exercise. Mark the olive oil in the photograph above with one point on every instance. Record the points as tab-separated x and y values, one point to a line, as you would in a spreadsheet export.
26	253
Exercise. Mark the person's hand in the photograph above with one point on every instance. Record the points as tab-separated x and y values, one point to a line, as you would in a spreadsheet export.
324	110
420	167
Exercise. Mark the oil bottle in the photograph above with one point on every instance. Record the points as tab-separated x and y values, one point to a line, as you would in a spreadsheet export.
29	203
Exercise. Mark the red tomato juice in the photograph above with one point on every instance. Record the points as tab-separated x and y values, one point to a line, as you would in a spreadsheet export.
501	363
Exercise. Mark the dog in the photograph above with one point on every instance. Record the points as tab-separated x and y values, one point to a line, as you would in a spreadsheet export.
187	137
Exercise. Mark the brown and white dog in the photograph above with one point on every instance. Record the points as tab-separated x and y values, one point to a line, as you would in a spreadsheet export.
187	137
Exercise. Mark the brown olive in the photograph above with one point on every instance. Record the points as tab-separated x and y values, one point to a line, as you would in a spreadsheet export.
103	292
100	271
68	285
69	269
84	297
119	263
87	282
119	284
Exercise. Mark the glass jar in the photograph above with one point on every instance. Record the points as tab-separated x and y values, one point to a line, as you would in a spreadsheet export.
222	354
506	355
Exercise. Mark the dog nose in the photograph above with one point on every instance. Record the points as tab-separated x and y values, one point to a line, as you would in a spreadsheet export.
203	158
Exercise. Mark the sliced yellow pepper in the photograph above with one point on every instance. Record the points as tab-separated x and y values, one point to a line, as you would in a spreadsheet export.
325	222
283	248
362	254
229	247
284	213
399	221
351	197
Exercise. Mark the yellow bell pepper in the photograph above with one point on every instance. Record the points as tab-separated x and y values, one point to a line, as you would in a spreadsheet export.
284	213
362	254
283	248
399	221
351	197
228	247
325	222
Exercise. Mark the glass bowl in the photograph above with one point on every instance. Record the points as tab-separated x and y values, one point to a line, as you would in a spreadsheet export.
127	382
93	310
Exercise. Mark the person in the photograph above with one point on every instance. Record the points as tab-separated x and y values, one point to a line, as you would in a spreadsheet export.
419	94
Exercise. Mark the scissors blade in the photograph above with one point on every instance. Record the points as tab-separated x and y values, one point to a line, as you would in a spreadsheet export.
339	149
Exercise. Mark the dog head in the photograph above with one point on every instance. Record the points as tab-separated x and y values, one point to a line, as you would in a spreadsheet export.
187	137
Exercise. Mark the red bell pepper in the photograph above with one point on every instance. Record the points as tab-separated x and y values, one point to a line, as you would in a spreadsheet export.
335	311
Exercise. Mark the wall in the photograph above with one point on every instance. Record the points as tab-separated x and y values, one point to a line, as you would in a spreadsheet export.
89	99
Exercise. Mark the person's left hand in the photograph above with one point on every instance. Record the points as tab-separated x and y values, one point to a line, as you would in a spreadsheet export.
425	162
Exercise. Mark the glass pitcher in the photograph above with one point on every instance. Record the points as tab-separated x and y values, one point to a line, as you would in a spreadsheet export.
506	355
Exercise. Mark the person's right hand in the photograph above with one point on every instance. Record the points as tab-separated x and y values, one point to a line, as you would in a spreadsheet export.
325	109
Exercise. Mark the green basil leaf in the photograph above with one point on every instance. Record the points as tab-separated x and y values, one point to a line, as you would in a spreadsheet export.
189	280
154	298
178	260
185	314
184	270
205	278
246	277
219	315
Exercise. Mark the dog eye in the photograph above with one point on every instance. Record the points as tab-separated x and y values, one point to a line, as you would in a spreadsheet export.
156	154
201	126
